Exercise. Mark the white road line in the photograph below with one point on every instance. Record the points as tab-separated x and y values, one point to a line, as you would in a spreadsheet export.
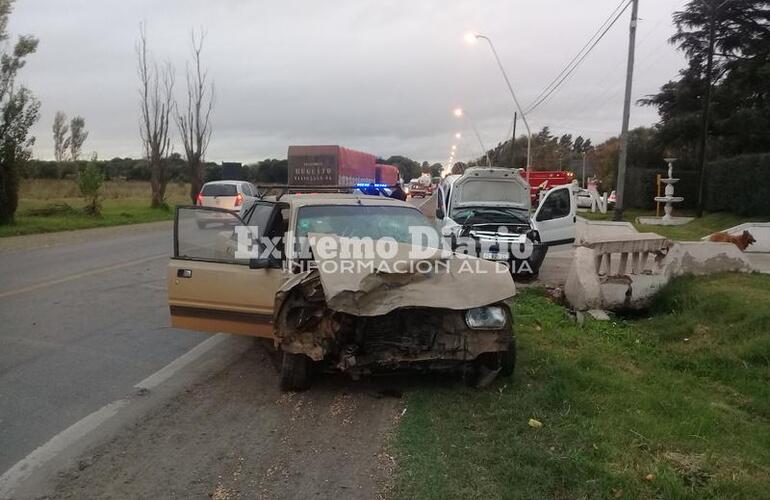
23	469
73	277
185	359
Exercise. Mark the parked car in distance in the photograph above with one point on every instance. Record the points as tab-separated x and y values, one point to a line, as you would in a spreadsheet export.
230	195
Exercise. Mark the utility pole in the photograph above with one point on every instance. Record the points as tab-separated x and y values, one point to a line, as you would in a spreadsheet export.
626	114
513	140
584	170
706	110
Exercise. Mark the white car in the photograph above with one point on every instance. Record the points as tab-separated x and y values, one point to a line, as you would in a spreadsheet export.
227	195
490	209
230	195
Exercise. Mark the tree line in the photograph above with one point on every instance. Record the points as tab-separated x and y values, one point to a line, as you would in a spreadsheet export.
717	108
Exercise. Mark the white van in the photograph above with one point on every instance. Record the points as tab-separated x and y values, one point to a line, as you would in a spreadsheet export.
488	209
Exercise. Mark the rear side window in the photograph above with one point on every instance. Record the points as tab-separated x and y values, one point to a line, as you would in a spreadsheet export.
219	190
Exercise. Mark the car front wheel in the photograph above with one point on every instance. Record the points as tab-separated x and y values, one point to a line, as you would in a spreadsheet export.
295	372
507	360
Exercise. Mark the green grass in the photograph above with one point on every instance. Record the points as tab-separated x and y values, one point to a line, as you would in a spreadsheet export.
114	212
683	395
691	231
124	203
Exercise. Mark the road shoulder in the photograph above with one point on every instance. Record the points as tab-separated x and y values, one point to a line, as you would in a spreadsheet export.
43	240
237	435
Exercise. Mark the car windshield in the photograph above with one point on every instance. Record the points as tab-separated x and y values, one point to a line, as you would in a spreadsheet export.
362	221
219	190
490	215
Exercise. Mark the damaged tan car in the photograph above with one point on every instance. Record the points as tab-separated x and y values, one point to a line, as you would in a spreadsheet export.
307	279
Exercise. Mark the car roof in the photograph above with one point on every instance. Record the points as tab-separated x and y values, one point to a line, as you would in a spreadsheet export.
227	182
308	199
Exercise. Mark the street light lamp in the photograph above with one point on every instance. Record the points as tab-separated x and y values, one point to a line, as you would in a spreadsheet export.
454	147
458	135
459	112
472	38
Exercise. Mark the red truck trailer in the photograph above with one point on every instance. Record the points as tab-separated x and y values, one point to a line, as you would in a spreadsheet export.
545	180
386	174
329	166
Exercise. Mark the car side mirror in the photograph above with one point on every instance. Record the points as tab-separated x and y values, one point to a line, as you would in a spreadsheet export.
268	263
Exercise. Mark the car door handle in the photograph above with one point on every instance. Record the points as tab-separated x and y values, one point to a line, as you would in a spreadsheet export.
184	273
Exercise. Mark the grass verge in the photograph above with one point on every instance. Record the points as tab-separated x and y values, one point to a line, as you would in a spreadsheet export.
123	203
692	231
676	405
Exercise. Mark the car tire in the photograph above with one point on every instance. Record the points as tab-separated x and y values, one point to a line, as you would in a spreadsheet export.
504	361
295	372
508	360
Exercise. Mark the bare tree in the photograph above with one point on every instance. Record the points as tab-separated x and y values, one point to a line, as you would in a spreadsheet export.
156	99
194	122
61	142
78	135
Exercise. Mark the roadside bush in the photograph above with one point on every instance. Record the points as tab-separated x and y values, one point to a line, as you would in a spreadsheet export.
740	184
90	182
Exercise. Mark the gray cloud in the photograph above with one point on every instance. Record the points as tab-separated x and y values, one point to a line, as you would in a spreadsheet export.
377	76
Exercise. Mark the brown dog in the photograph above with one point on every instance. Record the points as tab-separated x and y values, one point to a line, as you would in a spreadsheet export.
742	241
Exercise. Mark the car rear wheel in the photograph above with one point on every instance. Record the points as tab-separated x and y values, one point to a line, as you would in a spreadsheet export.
295	372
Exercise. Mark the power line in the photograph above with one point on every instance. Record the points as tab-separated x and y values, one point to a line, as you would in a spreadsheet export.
547	87
570	70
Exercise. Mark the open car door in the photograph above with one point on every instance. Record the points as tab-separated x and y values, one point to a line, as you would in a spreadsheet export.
213	288
556	215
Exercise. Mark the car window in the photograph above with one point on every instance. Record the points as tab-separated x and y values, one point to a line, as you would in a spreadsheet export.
206	234
219	190
246	189
258	215
555	205
362	221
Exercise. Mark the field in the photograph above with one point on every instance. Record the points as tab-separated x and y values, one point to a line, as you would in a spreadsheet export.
674	405
123	203
691	231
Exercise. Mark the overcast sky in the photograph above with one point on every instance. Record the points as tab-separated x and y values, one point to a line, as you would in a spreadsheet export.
379	76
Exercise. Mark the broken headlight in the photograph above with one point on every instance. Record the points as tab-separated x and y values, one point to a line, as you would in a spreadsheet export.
485	318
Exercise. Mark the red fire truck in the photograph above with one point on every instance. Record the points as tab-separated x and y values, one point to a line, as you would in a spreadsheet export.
544	180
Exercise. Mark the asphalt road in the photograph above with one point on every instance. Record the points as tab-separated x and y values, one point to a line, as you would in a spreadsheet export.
80	324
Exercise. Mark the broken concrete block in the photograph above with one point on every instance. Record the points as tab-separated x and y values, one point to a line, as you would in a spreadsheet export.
599	314
704	257
582	287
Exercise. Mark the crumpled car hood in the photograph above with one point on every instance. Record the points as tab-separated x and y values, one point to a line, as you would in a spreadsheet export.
459	283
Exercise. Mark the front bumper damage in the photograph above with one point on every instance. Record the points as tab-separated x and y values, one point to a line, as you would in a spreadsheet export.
373	321
408	338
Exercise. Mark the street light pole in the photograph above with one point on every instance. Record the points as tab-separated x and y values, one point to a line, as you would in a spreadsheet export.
459	112
515	100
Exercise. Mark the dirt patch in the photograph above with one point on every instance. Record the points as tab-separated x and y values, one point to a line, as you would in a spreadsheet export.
237	436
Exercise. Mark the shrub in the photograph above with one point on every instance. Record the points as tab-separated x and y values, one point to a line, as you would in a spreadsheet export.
740	184
90	182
